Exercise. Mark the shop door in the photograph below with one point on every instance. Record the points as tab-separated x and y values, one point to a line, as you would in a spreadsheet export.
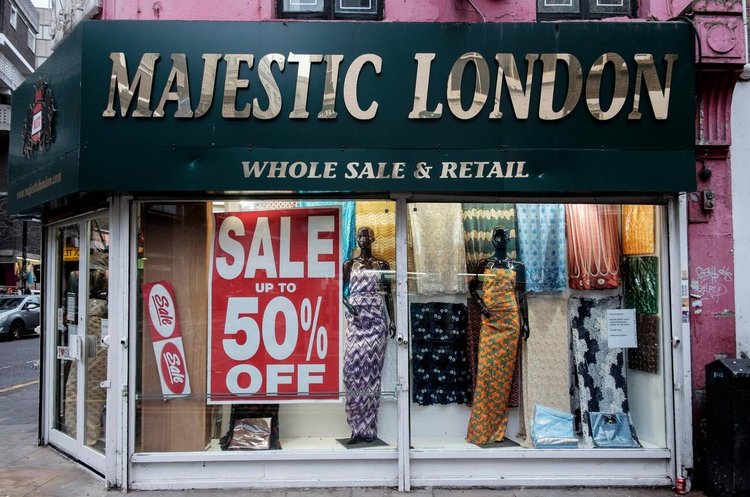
75	327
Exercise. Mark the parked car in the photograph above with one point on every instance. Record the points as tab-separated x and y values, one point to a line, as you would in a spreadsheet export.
19	315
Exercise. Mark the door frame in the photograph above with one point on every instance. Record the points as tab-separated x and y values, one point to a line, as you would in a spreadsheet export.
75	447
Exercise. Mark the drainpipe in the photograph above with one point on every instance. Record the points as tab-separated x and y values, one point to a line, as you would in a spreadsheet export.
745	75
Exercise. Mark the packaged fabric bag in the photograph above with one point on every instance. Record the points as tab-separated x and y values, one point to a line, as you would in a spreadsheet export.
612	430
552	429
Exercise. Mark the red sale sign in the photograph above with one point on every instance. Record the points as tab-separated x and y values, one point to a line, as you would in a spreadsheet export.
158	300
274	324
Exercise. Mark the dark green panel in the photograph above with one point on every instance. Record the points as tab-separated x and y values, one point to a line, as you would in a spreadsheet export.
51	173
393	89
576	153
559	171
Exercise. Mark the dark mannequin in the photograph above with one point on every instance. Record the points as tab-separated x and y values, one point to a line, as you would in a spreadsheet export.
501	260
369	310
365	260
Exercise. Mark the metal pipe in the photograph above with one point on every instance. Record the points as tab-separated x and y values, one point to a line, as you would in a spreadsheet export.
746	69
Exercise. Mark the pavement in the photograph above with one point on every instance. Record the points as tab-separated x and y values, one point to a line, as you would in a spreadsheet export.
27	470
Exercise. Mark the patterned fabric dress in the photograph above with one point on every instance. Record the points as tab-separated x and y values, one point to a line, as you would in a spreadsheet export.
473	334
365	351
497	358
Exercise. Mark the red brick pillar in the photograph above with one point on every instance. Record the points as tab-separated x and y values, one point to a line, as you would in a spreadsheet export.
720	57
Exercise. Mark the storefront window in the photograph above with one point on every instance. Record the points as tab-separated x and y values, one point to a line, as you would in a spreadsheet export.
265	325
536	326
270	325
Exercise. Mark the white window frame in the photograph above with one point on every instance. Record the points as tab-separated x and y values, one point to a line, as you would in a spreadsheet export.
31	40
14	16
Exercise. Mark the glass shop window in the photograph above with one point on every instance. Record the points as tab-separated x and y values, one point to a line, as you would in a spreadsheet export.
265	325
536	325
330	9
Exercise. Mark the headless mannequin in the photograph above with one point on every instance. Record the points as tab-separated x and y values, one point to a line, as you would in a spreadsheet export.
501	260
365	261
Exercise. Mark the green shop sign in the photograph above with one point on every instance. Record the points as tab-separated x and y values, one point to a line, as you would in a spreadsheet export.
353	107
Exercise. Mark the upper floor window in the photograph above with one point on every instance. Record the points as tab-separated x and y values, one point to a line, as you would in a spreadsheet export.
31	40
330	9
583	9
13	17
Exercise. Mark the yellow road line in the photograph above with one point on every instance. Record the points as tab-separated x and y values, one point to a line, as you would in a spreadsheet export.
16	387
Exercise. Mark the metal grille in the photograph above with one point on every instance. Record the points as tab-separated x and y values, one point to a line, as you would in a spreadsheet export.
9	73
4	117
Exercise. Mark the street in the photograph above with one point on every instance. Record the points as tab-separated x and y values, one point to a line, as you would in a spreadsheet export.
19	361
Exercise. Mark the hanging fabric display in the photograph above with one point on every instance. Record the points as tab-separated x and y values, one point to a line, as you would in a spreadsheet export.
546	360
638	229
541	246
380	216
593	246
641	284
600	370
479	220
348	227
440	368
646	356
439	252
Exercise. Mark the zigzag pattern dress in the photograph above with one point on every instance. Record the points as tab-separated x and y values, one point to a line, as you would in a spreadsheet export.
498	347
365	350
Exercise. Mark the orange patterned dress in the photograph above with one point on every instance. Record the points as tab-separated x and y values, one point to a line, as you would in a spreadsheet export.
498	346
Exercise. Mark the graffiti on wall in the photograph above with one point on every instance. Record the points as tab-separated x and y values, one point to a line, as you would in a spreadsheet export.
711	282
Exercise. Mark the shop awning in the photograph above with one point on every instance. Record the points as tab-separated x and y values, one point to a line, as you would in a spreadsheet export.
534	108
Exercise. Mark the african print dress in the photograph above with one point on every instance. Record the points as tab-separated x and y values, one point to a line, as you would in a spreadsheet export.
365	351
498	347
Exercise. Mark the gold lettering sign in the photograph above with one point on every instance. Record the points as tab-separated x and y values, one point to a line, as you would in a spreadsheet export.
350	87
593	86
142	82
549	73
232	83
176	86
481	85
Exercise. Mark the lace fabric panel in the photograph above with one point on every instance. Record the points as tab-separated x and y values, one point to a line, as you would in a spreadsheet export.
593	237
439	252
541	244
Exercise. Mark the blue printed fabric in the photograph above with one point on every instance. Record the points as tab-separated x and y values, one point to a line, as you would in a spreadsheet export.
440	367
541	244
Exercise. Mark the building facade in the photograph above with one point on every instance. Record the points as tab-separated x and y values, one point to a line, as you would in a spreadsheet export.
20	248
370	243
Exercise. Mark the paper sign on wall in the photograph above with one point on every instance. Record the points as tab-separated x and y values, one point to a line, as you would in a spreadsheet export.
275	299
621	328
159	302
